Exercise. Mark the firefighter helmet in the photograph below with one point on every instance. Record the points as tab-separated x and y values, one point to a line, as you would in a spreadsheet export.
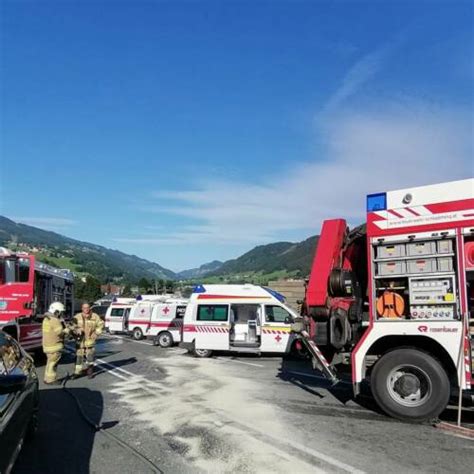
56	307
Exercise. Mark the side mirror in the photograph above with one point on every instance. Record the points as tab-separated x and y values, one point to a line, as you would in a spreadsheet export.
288	320
12	383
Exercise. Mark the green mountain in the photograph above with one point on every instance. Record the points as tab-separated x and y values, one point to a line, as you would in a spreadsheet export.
81	257
263	263
275	260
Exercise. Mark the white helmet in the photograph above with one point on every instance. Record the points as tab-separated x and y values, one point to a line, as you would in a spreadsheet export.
56	307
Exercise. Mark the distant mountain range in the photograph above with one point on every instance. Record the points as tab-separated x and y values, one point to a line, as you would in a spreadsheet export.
201	271
291	257
274	260
81	257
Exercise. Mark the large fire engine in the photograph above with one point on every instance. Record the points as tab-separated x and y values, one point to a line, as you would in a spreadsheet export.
27	288
395	297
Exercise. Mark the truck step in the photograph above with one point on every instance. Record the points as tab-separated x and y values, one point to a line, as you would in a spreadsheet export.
244	344
246	350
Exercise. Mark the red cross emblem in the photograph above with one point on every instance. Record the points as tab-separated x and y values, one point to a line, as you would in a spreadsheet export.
166	310
278	338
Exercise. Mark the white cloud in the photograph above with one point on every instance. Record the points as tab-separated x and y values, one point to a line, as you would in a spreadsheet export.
400	146
51	223
361	73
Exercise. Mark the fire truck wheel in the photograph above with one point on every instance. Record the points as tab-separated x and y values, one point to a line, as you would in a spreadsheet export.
410	385
137	334
202	353
164	339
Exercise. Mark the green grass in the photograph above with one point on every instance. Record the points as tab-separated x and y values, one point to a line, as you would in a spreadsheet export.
257	278
60	262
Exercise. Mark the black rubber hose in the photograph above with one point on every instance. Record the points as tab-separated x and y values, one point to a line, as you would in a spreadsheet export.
99	428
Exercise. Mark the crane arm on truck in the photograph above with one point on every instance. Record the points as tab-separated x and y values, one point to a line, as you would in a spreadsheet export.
390	296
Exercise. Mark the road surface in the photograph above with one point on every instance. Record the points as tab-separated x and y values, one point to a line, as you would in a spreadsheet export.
224	414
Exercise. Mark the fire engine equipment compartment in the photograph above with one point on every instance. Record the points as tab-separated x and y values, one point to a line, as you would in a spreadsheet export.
401	290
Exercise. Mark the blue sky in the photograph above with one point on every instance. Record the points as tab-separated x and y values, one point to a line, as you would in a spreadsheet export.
188	131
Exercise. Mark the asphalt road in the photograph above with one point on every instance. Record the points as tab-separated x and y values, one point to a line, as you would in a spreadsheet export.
224	414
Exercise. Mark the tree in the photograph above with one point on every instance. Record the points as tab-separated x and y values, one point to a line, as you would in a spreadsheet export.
87	290
144	285
170	286
127	291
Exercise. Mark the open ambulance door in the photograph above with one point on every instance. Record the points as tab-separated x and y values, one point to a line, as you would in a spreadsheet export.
276	329
116	319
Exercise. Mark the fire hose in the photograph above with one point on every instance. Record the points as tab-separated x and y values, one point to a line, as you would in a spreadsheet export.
99	428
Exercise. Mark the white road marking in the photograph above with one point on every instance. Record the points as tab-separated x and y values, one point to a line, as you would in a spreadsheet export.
106	364
124	338
238	361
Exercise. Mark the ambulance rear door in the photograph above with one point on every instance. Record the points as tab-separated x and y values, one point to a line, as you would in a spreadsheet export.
140	317
114	319
177	328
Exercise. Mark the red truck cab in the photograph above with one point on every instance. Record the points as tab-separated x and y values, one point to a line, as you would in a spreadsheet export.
27	288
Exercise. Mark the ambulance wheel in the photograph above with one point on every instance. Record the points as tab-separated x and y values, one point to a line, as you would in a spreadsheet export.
137	334
164	339
202	353
410	385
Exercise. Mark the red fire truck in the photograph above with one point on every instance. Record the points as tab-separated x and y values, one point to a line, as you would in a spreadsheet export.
395	298
27	288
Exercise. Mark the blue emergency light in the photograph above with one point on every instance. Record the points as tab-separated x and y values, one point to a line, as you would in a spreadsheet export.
376	202
274	293
199	289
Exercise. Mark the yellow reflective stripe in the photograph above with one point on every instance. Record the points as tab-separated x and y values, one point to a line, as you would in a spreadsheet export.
277	328
52	348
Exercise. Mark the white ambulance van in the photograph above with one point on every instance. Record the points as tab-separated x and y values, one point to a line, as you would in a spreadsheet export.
166	322
117	314
157	317
237	318
140	315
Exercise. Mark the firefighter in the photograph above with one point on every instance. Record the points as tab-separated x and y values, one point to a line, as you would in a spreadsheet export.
54	331
88	326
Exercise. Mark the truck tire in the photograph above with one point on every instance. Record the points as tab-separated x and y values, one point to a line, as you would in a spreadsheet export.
164	339
410	385
202	353
137	334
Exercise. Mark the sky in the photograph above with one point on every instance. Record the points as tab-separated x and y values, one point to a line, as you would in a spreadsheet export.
185	132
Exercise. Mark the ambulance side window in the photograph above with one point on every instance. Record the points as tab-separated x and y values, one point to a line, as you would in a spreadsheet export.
117	312
180	310
276	314
214	312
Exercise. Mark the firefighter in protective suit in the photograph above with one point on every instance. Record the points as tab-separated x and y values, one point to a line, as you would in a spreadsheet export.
87	327
54	332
